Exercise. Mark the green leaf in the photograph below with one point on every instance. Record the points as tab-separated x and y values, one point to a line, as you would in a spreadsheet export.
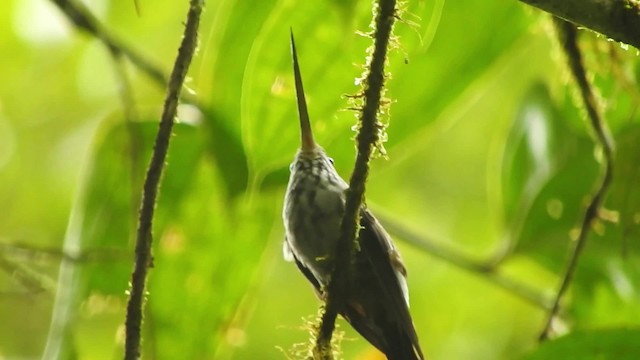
101	229
224	146
624	197
446	176
270	128
537	145
207	254
616	343
548	170
430	83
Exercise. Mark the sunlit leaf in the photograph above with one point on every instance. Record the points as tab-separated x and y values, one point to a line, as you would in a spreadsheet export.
546	170
206	257
268	107
465	132
619	344
489	149
100	233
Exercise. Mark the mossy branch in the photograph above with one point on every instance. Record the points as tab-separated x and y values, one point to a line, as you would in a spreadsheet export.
617	19
368	136
567	34
143	258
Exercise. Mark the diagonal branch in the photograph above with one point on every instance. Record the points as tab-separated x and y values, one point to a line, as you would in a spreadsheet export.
143	258
367	137
617	19
567	33
27	252
34	281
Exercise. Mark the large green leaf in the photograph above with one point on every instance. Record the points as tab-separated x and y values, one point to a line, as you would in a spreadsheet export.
624	197
606	284
546	197
547	171
224	146
207	253
451	201
100	230
465	79
269	119
615	343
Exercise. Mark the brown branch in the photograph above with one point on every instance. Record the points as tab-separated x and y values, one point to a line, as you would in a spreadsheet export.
567	34
143	258
366	139
616	19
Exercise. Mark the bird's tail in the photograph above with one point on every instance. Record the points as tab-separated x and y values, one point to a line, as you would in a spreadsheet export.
400	346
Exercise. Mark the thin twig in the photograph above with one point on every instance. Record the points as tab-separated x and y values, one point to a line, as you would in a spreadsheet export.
366	138
487	269
32	280
35	253
143	258
567	34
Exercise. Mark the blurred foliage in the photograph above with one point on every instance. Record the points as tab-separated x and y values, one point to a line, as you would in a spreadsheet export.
598	344
489	156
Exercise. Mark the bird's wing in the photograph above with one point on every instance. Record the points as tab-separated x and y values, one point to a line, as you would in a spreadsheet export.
290	256
387	322
376	302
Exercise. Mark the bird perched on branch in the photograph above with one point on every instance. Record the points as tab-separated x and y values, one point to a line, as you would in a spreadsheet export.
376	302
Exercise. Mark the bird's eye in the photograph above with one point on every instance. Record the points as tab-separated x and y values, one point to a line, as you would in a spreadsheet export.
331	161
292	166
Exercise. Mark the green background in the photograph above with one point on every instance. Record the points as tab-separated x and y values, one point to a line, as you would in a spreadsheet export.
489	157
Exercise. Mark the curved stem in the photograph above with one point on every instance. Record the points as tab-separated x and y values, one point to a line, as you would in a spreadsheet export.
567	34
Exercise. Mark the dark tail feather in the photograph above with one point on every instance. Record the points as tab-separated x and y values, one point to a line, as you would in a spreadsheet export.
400	346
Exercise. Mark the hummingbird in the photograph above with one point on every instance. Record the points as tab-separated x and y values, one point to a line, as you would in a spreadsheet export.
376	303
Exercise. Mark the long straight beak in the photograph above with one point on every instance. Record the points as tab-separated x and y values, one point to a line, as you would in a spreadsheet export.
306	135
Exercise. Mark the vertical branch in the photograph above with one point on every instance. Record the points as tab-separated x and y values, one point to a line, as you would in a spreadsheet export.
367	136
567	33
143	258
